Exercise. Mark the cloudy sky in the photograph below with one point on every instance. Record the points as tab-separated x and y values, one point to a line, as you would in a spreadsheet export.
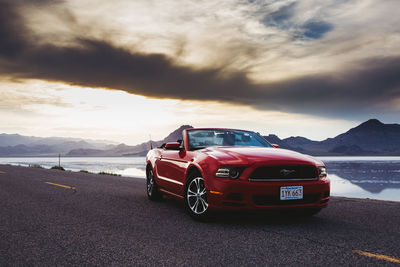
122	69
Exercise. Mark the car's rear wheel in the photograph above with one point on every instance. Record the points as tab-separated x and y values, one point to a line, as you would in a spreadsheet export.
196	198
152	189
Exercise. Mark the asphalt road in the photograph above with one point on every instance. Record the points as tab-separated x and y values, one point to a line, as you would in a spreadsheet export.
108	221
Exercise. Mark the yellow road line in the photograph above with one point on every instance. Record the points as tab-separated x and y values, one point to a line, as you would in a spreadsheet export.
1	172
378	256
60	185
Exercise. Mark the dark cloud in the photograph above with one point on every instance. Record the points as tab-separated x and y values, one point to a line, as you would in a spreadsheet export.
351	92
95	63
12	30
316	29
14	36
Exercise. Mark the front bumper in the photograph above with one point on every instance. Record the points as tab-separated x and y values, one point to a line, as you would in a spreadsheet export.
228	194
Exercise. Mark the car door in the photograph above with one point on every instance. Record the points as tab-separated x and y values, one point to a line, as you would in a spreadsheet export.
171	168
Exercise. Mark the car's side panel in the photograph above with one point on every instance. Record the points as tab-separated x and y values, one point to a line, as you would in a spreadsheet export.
171	168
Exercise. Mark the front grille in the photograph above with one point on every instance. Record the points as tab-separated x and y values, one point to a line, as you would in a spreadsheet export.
284	172
272	200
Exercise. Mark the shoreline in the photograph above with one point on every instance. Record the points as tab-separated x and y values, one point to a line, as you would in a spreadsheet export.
54	168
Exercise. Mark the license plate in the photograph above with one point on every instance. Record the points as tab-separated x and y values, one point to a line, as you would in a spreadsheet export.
291	192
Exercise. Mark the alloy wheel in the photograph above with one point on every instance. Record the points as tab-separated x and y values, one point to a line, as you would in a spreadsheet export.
196	196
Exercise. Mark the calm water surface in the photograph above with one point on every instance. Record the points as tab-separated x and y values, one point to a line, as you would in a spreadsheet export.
360	177
364	177
126	166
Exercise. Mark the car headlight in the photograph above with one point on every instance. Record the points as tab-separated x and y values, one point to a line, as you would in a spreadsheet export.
322	174
228	172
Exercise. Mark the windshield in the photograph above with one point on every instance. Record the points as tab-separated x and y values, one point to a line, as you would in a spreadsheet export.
204	138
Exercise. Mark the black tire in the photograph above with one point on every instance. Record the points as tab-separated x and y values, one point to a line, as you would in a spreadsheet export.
196	198
152	189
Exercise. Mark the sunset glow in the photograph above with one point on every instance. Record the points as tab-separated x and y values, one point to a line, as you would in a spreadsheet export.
122	70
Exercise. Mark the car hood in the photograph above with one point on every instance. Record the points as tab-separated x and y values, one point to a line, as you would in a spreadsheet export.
250	155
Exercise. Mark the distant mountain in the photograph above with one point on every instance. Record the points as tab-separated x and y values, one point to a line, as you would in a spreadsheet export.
371	135
369	138
16	139
19	145
125	150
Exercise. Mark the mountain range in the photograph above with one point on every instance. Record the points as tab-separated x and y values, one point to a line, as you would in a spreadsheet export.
15	145
367	139
125	150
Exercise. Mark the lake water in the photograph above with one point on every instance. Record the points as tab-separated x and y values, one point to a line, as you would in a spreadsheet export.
364	177
359	177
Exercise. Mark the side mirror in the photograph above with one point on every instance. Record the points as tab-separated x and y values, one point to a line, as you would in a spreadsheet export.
275	145
173	146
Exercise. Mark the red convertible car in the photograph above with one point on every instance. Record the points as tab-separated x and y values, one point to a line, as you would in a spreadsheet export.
221	169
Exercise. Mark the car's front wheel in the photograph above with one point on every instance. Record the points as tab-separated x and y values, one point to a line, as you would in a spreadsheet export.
196	198
152	189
